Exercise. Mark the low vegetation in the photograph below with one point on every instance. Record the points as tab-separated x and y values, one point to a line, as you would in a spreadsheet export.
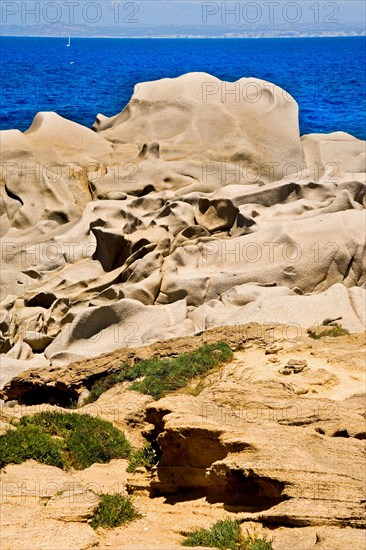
65	440
72	440
28	442
226	535
252	541
114	510
145	457
157	377
332	331
105	383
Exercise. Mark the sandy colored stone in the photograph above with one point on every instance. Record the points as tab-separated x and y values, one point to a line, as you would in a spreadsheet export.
44	507
161	230
250	444
173	201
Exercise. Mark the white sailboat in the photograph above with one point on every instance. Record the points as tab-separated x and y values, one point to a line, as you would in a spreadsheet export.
69	42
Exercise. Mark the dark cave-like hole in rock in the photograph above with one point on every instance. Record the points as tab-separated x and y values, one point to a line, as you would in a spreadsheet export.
242	493
341	433
54	396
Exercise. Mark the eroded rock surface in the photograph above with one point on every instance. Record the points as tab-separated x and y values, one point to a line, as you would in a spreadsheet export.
284	453
44	507
199	206
192	208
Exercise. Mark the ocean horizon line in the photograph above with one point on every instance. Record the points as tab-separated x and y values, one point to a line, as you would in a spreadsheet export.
188	37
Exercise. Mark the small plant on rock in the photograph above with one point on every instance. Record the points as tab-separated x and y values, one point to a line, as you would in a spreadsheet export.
332	331
252	541
226	535
114	510
145	457
64	440
30	442
105	383
163	376
157	377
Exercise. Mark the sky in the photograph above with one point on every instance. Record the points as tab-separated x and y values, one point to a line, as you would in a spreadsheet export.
175	13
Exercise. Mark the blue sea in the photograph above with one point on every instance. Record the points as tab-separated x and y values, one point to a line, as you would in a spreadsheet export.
325	75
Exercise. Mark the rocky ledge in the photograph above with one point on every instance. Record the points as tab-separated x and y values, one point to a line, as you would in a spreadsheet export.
274	438
192	208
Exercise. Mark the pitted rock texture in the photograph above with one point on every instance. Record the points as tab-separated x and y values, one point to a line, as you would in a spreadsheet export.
192	208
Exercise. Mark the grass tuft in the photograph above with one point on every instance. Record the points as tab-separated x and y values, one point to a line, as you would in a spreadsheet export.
252	541
30	442
145	457
64	440
114	510
162	376
226	535
105	383
332	331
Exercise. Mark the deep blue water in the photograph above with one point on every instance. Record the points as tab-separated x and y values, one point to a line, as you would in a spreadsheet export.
325	75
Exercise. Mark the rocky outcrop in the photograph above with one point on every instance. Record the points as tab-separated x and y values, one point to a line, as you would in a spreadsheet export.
280	473
63	385
198	205
274	438
275	450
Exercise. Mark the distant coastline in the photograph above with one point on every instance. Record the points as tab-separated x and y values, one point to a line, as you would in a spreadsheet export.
230	36
244	30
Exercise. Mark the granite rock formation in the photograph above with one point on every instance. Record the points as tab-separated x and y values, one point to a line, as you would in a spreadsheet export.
199	204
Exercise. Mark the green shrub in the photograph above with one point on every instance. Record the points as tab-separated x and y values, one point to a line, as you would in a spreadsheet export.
253	542
142	457
161	376
28	442
104	384
64	440
167	375
96	441
226	534
332	331
114	510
